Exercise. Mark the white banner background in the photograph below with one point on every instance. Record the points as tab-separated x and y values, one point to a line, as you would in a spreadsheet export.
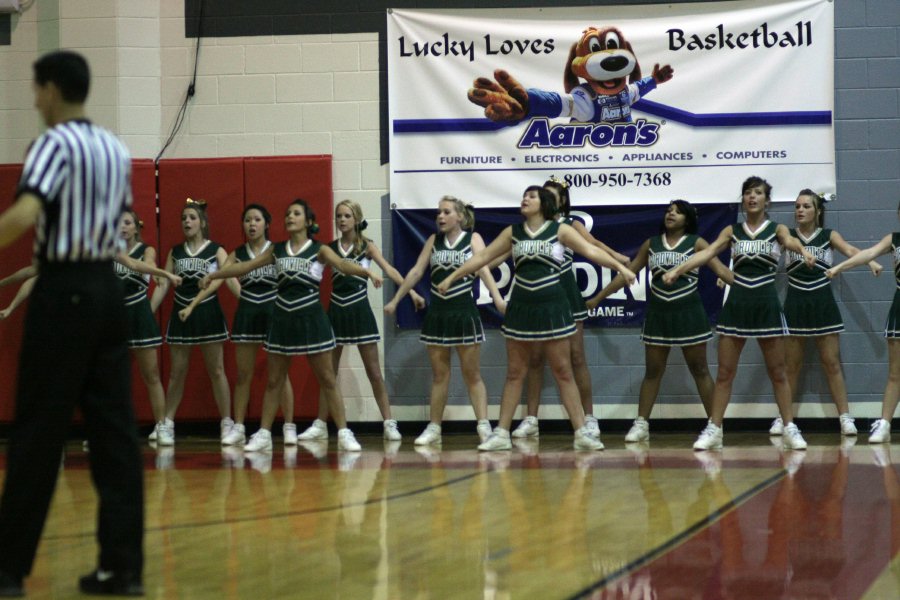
428	92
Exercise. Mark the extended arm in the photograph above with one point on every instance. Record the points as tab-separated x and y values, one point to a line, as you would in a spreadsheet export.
22	293
205	291
849	250
700	258
582	230
793	244
413	277
714	264
347	267
393	274
618	282
19	276
162	286
570	237
501	245
487	277
862	257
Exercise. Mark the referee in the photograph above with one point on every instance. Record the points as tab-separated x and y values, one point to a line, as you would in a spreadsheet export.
75	185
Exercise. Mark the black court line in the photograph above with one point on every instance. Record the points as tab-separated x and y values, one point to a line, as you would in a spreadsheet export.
282	515
655	553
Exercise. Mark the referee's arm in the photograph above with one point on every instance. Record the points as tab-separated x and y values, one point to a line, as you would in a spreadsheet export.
19	218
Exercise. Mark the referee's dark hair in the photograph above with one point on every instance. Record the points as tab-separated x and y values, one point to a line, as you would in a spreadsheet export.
68	71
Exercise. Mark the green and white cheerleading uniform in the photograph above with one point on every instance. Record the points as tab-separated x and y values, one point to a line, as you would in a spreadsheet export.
752	309
538	308
675	314
452	318
254	311
809	307
570	283
349	310
206	325
299	324
892	329
143	330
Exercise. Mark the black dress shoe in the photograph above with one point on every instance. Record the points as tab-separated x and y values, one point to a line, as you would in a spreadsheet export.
110	583
11	587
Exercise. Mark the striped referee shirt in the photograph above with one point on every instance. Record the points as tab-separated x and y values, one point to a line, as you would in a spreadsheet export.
82	174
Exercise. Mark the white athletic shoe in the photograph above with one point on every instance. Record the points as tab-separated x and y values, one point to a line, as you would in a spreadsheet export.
289	432
639	432
165	434
848	425
527	428
710	438
880	432
317	431
237	435
592	425
347	441
431	435
792	439
391	432
587	439
777	427
225	426
155	433
261	441
498	440
484	430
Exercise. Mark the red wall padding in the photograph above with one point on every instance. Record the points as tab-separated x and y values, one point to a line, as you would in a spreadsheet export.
12	259
227	184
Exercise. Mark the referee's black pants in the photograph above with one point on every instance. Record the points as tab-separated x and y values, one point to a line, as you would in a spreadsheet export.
74	354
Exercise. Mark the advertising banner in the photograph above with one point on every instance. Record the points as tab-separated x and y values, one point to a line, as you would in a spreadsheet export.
630	105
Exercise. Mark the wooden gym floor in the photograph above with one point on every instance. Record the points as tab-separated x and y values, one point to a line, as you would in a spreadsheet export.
542	521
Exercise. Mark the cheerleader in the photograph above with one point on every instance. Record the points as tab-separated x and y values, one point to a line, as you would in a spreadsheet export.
143	331
351	316
195	321
752	310
880	432
452	320
810	309
299	325
675	316
538	312
529	425
256	298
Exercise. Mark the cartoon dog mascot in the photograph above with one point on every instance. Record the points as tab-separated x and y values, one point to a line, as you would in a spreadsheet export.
603	58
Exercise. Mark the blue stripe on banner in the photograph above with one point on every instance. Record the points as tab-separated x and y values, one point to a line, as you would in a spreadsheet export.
663	111
812	117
